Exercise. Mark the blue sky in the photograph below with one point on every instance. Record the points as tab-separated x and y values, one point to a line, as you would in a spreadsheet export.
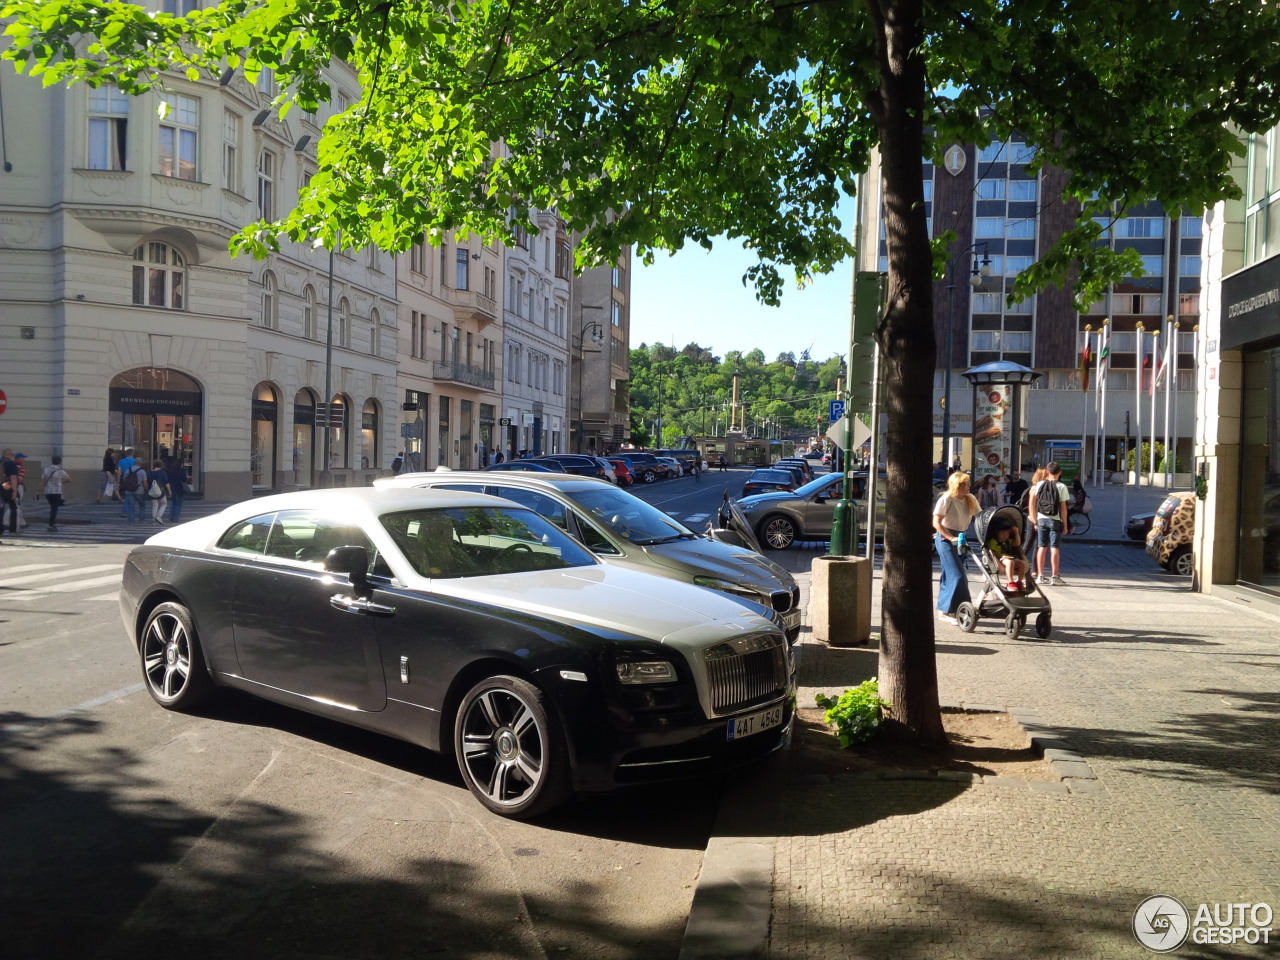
698	296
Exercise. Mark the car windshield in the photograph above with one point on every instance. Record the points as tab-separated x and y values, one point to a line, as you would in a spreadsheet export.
481	541
772	476
816	484
630	517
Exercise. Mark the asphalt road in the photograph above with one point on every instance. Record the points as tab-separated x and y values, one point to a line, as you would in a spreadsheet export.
256	831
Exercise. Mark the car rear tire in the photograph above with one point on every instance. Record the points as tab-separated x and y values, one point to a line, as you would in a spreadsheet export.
777	533
510	748
173	666
1181	562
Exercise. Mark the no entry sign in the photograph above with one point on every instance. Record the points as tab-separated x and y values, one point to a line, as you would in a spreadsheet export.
4	401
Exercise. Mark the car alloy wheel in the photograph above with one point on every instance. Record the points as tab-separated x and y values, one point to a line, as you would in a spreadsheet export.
172	664
1182	562
649	476
510	748
778	533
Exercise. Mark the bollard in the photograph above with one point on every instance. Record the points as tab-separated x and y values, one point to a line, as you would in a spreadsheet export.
840	600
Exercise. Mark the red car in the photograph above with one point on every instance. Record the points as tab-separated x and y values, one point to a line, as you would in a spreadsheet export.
623	472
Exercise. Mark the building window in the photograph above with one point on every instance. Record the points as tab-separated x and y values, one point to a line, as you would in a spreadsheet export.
1189	266
992	152
987	227
266	185
180	8
159	275
1021	229
988	302
375	333
344	324
1191	227
230	151
462	273
267	82
615	313
270	301
108	127
418	258
563	257
1140	227
309	313
991	189
179	136
1022	191
1189	304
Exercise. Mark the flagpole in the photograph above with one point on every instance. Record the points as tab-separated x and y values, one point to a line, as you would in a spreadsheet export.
1170	371
1155	352
1195	393
1102	406
1097	396
1084	398
1141	331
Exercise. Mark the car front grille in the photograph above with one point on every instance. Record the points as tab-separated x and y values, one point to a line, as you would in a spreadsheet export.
784	600
746	671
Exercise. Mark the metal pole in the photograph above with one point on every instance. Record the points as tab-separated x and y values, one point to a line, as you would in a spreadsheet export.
946	376
325	475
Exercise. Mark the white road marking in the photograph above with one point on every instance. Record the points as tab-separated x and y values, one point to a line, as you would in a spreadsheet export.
65	572
65	588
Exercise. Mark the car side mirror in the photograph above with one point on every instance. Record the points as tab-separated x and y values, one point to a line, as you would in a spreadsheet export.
354	562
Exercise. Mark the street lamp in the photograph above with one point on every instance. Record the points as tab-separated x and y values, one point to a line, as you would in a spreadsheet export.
976	275
597	336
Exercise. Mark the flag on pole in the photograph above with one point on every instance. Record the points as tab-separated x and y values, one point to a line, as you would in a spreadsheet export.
1164	362
1104	355
1084	364
1145	376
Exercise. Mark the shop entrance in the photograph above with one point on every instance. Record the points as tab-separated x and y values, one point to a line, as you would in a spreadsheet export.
157	413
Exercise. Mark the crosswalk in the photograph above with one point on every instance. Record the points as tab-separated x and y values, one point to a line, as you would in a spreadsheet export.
30	582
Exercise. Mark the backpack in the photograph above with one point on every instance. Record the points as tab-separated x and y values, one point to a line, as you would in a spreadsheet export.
1047	499
129	483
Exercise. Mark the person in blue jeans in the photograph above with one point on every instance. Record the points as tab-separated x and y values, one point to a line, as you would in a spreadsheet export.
135	500
177	487
952	515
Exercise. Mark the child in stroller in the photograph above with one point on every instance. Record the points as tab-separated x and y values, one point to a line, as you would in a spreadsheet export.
1005	544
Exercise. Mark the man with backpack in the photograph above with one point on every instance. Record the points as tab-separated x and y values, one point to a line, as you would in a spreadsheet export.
133	487
1049	500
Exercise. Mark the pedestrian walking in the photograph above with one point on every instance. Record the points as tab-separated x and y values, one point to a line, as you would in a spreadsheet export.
952	515
1049	499
124	466
158	491
133	487
697	469
53	478
20	461
724	464
177	487
8	491
397	464
1014	489
988	495
109	478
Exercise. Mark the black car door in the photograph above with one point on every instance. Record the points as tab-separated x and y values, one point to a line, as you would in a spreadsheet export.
290	634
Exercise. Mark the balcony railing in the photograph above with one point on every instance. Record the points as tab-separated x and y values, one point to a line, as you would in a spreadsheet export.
463	373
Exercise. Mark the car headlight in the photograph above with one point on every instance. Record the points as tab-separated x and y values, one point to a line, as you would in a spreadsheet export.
646	671
747	507
728	586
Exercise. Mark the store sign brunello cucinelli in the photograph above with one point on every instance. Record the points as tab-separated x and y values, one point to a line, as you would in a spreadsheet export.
992	430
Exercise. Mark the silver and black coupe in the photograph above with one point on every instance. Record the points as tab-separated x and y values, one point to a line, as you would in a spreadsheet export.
469	625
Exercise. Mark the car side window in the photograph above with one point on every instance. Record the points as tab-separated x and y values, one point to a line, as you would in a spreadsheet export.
248	536
539	503
308	538
590	535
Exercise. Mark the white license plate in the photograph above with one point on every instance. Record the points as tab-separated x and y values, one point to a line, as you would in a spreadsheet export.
791	619
740	727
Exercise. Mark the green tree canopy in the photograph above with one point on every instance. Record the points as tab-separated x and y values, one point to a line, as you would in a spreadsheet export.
660	122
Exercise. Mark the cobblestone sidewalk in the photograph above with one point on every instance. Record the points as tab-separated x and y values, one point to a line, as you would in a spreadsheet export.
1172	698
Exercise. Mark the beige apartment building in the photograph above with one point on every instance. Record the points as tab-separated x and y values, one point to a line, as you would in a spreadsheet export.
127	324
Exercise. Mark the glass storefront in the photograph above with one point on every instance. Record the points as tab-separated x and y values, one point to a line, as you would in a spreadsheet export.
304	438
369	436
157	413
1260	469
262	450
464	434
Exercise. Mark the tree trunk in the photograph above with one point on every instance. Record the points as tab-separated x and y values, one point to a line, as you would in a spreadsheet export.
908	667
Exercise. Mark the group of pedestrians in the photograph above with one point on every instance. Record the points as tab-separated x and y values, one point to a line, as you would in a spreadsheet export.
162	488
1045	500
13	490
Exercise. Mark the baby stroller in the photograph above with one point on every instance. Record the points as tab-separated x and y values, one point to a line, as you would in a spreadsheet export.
997	599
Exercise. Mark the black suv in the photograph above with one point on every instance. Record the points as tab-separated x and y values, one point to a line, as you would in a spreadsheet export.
574	463
645	466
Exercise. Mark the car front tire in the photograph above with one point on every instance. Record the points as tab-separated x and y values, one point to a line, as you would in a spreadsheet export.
777	533
510	748
649	476
172	662
1181	562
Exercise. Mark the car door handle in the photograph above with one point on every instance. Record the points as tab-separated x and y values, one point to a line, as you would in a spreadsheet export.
356	605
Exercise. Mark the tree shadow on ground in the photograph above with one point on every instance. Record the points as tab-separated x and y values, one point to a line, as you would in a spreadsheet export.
1237	744
101	859
903	911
